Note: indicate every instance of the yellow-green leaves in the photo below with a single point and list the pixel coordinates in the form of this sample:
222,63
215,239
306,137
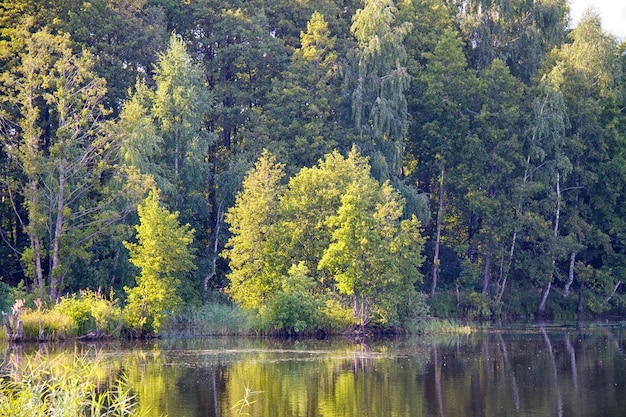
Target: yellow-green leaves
164,255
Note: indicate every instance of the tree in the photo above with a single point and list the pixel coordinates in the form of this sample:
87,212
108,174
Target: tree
303,104
55,129
179,104
586,72
517,32
252,223
165,257
448,90
163,133
241,57
374,257
379,76
286,244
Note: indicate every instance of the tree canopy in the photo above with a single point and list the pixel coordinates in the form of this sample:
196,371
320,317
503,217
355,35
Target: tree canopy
324,153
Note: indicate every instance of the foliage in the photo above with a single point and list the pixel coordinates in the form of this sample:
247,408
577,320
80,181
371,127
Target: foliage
346,233
92,312
164,256
293,307
495,115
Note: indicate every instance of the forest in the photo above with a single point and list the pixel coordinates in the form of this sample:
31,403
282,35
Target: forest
319,163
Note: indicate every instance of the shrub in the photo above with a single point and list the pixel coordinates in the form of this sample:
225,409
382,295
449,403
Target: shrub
92,312
476,306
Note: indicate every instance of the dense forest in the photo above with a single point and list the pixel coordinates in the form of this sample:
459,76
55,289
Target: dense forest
314,160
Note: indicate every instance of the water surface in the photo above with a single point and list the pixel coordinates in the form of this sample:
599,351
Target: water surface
527,371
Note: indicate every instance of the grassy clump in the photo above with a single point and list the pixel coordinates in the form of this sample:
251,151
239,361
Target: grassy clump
49,325
62,386
438,326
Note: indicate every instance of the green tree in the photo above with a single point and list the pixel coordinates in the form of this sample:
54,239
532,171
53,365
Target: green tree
165,257
518,32
379,75
448,89
71,188
163,134
278,228
241,57
374,257
313,195
586,72
252,222
179,104
303,104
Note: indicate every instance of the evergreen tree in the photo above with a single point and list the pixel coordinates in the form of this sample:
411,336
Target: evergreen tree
252,224
303,104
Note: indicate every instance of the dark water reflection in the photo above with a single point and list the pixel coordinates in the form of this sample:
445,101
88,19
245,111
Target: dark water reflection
536,371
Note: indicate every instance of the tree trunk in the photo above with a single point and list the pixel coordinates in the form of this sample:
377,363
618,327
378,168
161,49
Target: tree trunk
218,221
487,273
438,238
541,309
570,280
505,276
58,231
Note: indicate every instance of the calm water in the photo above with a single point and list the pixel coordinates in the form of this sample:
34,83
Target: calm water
533,371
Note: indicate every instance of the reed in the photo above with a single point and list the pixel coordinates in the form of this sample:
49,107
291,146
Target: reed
60,386
439,326
210,319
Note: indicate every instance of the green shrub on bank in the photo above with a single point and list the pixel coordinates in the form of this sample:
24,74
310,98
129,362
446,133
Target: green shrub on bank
63,386
92,312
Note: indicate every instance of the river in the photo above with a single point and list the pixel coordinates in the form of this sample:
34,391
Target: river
549,370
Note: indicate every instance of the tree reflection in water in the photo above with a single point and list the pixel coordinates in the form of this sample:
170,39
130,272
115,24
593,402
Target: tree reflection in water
543,370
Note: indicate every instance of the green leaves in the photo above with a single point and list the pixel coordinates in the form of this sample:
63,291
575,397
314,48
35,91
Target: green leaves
332,233
163,254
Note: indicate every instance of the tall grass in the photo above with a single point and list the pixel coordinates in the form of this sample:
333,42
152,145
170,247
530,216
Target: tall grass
210,319
439,326
63,386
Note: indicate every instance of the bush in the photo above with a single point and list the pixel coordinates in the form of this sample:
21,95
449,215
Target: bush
476,306
92,312
292,309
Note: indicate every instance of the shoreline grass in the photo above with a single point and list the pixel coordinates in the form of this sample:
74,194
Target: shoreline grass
59,386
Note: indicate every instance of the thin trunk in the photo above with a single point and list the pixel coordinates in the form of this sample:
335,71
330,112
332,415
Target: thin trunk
617,285
541,309
438,238
570,280
505,276
218,223
487,272
38,268
33,145
58,231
